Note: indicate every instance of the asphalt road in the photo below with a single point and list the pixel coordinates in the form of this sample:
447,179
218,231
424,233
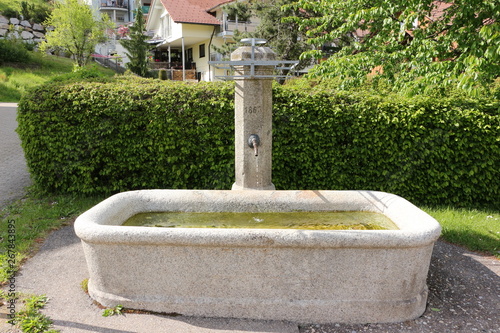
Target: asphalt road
14,176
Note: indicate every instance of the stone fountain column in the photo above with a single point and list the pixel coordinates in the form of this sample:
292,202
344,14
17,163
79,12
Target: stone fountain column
253,119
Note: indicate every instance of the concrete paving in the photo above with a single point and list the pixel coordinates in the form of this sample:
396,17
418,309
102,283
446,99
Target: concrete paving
14,177
58,270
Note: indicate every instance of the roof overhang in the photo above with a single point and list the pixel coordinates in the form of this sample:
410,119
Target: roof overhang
177,42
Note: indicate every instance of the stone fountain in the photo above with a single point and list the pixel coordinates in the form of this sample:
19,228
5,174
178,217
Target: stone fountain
311,276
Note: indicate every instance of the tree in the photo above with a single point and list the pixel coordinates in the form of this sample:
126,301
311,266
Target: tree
37,12
284,38
414,44
76,30
137,46
237,11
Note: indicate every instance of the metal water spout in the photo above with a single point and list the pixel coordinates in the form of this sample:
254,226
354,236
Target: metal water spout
254,142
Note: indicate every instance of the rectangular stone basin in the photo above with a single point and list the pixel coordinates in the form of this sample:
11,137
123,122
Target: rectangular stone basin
308,276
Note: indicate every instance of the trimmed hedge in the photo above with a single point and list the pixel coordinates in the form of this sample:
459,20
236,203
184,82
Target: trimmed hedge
102,137
130,133
430,151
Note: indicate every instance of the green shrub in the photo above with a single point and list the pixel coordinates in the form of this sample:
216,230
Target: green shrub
431,151
12,50
79,73
9,12
162,74
101,137
35,12
131,133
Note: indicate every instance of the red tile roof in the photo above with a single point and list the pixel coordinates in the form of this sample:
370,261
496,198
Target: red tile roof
193,11
439,7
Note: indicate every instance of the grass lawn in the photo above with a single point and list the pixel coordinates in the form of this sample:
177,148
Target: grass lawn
31,219
16,78
16,4
478,230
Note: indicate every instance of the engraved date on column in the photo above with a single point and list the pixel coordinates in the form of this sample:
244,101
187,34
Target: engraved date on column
252,109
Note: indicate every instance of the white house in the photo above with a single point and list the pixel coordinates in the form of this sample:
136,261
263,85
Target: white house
185,31
121,12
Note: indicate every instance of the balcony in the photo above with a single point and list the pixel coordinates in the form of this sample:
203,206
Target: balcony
175,71
113,4
228,26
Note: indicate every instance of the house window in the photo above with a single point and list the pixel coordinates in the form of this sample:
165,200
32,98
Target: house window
202,50
166,25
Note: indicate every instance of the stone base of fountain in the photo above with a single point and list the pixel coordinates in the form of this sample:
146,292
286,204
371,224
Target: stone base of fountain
237,187
354,276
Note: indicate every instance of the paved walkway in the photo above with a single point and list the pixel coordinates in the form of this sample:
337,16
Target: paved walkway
14,175
58,270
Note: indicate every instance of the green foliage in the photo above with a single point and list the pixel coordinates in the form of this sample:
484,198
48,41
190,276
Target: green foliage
92,71
76,30
227,48
32,10
417,44
237,11
30,319
35,12
26,8
129,134
478,230
9,12
13,50
85,285
91,137
33,219
428,150
137,47
16,78
162,74
117,310
284,37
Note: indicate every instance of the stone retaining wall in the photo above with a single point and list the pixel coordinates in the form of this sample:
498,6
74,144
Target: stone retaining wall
22,29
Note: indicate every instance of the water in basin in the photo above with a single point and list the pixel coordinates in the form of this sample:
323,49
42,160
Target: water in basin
273,220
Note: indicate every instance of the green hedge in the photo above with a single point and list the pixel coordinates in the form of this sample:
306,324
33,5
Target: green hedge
430,151
101,137
128,133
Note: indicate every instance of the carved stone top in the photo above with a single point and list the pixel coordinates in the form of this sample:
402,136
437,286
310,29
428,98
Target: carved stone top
260,53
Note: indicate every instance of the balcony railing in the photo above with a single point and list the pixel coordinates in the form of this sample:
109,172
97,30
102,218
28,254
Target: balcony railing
176,74
228,26
114,4
172,65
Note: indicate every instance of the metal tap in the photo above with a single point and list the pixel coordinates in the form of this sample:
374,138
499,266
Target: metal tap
254,142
